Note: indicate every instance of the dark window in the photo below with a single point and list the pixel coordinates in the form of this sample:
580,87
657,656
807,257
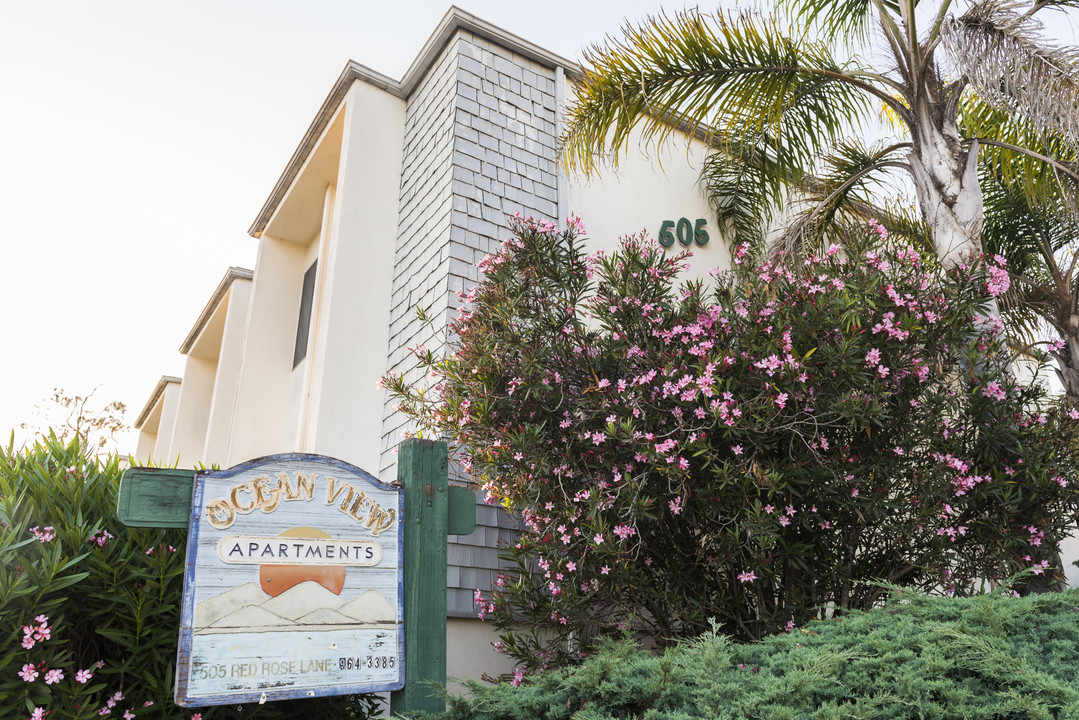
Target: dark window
303,327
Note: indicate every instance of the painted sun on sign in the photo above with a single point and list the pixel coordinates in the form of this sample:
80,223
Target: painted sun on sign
293,584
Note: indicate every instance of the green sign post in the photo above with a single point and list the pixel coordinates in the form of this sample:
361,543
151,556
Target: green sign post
155,497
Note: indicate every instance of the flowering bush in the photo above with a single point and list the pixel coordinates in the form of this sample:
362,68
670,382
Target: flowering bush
90,609
758,450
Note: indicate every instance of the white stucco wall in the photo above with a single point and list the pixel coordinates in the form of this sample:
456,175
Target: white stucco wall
193,411
144,451
170,399
295,418
344,407
226,382
259,425
469,653
649,185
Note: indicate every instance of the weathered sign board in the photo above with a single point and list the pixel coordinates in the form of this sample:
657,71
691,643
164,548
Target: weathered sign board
293,586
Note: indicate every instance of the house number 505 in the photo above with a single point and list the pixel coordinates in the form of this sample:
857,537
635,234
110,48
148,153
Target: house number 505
685,231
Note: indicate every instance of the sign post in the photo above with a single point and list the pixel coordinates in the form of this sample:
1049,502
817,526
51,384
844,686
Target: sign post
422,469
238,518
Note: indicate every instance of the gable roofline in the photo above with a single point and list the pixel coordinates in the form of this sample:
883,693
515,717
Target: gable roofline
454,20
231,275
159,390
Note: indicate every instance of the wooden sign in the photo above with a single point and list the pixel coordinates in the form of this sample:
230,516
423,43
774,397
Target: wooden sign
293,583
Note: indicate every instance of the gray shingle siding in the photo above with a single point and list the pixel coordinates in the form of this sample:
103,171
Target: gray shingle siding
479,146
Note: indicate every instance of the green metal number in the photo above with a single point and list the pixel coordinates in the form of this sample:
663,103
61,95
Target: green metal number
686,231
666,238
684,228
699,233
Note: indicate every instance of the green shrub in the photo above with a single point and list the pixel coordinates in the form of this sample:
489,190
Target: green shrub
84,595
986,656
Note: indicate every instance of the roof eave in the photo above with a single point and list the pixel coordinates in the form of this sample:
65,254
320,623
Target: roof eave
455,19
159,390
233,274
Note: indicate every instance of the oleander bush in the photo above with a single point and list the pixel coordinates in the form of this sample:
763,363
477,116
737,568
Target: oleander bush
758,448
89,608
986,656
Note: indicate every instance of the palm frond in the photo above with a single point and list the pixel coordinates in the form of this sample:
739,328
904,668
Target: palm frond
847,192
1040,247
746,183
699,74
839,19
1002,52
1043,183
1055,4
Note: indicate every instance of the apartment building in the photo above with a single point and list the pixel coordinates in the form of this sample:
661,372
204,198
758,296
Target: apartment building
395,191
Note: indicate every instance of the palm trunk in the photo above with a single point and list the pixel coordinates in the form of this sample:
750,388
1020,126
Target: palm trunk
1068,362
946,182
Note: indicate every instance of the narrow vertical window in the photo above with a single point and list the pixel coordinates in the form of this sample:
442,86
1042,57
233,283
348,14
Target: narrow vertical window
303,327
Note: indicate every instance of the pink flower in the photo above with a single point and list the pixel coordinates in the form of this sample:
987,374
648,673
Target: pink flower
128,715
769,509
54,676
998,282
518,676
38,714
784,520
994,390
28,673
604,570
43,536
872,357
745,577
737,449
83,676
599,538
676,506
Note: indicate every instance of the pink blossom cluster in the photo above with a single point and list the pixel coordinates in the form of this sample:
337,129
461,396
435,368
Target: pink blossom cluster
48,534
484,606
100,539
163,548
999,281
33,634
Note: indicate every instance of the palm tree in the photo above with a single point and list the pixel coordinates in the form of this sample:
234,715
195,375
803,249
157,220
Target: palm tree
981,88
775,105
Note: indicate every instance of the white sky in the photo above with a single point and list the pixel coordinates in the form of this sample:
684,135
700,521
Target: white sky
138,141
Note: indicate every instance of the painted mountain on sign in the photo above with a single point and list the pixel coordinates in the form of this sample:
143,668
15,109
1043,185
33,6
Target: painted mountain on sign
248,608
